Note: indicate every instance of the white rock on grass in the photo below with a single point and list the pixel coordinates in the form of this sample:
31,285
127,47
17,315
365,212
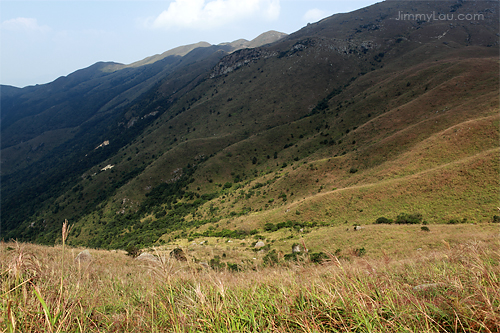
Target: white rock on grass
83,256
259,244
147,257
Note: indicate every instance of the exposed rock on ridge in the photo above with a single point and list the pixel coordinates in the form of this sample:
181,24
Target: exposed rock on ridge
240,58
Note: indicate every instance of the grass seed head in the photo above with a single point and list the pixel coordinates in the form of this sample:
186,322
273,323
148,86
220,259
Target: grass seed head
65,230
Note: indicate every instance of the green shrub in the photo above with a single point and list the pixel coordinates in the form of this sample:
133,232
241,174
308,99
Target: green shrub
271,258
216,264
270,227
404,218
133,251
383,220
424,228
160,214
360,252
318,257
496,219
233,267
290,256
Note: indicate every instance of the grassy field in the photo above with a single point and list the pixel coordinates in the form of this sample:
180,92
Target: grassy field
405,280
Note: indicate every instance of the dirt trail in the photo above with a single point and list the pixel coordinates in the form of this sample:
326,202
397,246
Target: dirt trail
394,180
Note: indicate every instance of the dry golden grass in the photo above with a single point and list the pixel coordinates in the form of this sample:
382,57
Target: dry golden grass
451,285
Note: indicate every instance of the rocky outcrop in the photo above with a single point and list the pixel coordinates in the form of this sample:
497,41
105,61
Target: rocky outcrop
240,58
345,47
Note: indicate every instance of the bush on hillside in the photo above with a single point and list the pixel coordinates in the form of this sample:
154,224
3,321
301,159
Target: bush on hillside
271,258
456,221
317,257
133,251
360,252
383,220
270,227
216,264
290,256
233,267
404,218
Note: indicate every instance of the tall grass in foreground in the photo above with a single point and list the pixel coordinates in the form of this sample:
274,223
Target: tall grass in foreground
453,290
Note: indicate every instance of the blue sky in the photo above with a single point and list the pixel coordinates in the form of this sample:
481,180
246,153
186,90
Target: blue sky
43,40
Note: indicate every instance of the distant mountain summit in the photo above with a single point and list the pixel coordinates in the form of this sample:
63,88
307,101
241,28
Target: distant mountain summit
263,39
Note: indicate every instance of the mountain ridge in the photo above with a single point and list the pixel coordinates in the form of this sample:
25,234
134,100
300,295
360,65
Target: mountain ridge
181,51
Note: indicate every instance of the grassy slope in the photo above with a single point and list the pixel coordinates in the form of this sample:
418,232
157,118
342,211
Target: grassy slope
429,150
415,133
411,158
408,280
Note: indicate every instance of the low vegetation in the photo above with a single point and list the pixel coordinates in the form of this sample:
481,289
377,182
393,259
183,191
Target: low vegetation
450,285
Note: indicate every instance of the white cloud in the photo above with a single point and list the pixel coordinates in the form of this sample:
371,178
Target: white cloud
314,15
24,24
204,14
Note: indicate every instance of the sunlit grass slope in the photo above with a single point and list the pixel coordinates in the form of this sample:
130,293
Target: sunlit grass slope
406,280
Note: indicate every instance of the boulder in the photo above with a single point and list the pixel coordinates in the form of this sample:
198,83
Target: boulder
83,256
147,257
259,244
178,254
296,248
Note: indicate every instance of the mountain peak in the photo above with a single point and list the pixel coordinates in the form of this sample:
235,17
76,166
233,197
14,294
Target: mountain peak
264,38
177,51
267,38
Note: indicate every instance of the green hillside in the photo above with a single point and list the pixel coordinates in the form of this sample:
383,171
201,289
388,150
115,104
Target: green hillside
356,117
